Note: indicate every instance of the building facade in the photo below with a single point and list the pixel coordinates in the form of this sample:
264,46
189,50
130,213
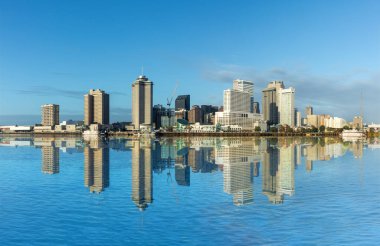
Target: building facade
142,102
270,102
195,114
50,114
182,102
237,110
286,112
96,108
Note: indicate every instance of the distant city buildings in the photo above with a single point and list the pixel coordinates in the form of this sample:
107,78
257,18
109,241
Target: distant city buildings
195,114
142,103
96,108
309,110
270,102
50,114
278,104
237,109
182,102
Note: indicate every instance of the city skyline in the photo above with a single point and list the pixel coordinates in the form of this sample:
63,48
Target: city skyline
330,58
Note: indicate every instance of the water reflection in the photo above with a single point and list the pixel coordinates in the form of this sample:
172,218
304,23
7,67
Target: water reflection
96,164
142,179
241,161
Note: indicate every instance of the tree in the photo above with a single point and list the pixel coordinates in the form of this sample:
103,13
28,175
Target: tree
346,127
322,128
218,127
257,129
273,129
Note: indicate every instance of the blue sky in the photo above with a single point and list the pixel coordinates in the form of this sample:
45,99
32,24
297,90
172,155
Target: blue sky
55,51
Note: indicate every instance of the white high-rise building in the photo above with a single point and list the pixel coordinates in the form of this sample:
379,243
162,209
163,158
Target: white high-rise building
142,102
237,103
286,107
246,86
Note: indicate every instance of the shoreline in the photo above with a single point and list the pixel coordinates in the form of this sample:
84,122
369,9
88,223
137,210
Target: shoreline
187,134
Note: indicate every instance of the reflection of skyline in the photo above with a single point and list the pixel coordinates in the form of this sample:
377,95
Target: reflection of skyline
96,165
142,179
50,159
240,159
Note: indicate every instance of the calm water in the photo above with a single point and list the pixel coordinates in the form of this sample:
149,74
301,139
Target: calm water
197,191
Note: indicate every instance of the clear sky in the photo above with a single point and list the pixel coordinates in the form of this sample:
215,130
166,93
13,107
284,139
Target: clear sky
55,51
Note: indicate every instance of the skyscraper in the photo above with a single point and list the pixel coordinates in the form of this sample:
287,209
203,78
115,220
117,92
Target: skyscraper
50,114
256,108
142,102
287,114
270,102
246,86
182,102
309,110
96,107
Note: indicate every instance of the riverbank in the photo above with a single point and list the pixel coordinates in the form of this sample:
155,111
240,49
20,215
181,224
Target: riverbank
246,134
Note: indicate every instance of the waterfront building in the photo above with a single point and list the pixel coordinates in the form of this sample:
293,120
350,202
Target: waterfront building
298,119
309,110
357,123
158,112
312,120
246,86
334,122
142,102
142,176
96,108
96,165
50,114
270,102
195,114
287,114
237,111
182,102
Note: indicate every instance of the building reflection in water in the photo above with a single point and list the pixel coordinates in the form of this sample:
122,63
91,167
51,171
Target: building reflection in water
50,157
142,179
236,157
182,169
240,159
96,164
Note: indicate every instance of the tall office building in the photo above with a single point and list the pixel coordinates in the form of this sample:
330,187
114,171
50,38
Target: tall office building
271,102
286,111
142,102
50,159
298,118
96,165
142,179
96,107
246,86
182,102
256,108
237,108
309,110
50,114
195,114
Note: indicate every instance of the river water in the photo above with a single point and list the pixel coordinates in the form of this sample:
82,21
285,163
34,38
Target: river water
189,191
